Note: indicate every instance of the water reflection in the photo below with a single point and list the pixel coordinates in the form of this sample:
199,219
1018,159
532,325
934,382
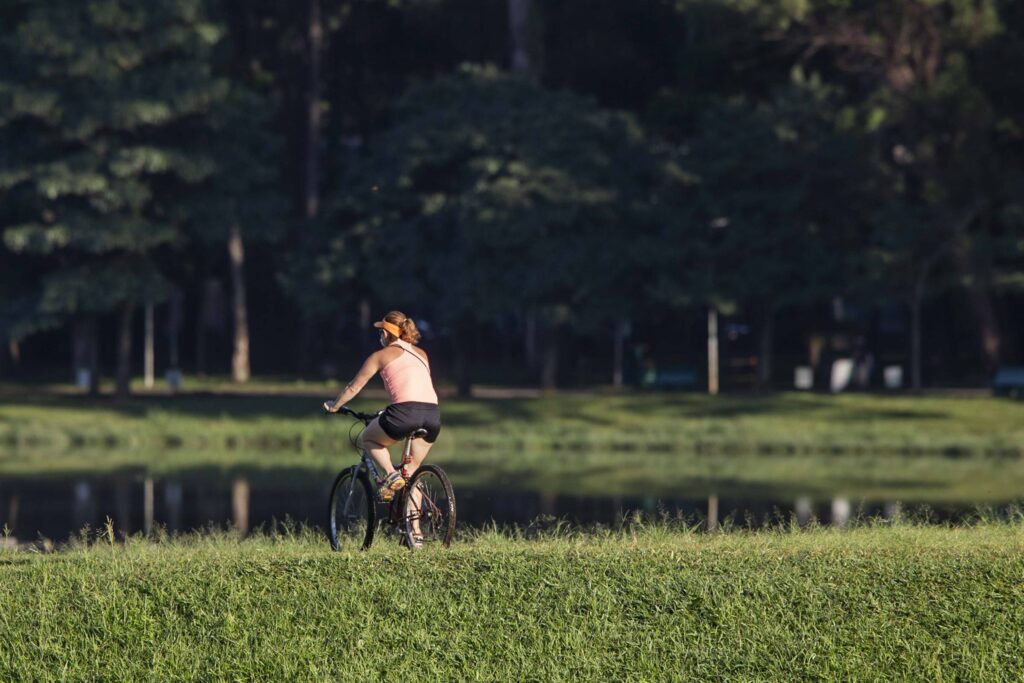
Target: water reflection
55,507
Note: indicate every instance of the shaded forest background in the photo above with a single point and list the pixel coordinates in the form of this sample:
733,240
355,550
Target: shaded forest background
562,192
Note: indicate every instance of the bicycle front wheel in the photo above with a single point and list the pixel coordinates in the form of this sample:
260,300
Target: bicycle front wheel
351,514
429,508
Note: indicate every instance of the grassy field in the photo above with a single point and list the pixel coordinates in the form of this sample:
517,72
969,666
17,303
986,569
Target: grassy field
284,419
656,604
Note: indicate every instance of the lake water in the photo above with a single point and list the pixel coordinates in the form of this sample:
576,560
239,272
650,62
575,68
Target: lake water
55,505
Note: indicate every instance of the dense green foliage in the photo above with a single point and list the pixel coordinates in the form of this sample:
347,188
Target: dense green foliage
99,108
639,163
644,604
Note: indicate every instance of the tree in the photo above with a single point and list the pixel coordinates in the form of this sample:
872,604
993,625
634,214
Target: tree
99,104
994,68
778,183
241,201
489,194
930,127
907,244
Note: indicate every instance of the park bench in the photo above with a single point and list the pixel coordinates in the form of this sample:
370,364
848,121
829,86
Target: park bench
1009,381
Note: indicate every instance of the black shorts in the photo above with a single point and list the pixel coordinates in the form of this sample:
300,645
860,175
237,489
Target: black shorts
398,419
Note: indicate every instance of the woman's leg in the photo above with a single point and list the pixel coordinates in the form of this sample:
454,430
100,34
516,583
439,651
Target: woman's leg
376,440
420,448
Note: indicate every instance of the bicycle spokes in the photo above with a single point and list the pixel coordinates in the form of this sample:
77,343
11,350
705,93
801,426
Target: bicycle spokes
429,509
350,513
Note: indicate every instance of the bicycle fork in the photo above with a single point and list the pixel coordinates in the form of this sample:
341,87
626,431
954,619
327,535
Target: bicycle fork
370,466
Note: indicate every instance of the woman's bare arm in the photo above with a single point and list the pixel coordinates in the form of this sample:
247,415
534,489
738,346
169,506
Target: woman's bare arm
369,369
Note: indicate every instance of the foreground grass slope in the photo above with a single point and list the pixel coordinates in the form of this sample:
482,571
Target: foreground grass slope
902,603
785,423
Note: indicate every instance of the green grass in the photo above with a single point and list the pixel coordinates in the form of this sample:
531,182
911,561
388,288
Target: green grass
779,423
654,604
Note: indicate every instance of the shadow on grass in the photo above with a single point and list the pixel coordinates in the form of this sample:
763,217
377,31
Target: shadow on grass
868,415
597,410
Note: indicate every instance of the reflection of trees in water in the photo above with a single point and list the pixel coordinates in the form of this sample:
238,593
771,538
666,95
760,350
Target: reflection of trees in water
147,506
172,504
84,512
240,505
587,488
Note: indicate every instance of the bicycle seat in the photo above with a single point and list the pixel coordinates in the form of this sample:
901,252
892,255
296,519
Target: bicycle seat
418,434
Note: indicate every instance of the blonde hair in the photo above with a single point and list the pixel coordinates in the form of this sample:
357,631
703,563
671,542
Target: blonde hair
406,324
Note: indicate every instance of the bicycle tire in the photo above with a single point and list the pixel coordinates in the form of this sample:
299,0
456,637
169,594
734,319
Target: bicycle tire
339,530
438,514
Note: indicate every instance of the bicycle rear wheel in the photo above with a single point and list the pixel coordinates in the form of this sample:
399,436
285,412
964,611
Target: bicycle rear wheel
429,505
351,513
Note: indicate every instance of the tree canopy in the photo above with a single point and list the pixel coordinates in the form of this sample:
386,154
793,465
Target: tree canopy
554,178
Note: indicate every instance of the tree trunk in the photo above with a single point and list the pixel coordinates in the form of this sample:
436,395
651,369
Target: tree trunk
530,339
201,318
124,350
518,18
84,351
463,381
149,359
621,332
549,361
307,332
980,307
79,348
93,356
524,24
14,349
764,366
240,370
366,338
988,328
174,329
314,48
712,351
916,303
311,160
6,359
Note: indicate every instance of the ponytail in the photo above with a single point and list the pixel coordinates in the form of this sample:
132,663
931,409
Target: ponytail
409,331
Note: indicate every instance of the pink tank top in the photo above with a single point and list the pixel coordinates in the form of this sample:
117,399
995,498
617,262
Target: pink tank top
407,378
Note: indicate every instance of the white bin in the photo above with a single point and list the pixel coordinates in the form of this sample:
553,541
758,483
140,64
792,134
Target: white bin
893,375
842,373
803,377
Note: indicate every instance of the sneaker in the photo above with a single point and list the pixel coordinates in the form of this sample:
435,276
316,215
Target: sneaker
392,483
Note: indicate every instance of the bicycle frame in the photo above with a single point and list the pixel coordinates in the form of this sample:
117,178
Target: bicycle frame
369,465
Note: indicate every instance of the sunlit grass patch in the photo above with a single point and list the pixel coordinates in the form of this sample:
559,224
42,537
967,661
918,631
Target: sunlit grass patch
643,602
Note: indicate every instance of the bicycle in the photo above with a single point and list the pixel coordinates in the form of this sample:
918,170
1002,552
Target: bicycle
421,513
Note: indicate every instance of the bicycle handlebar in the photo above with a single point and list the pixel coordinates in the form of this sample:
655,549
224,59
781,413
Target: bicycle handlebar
364,417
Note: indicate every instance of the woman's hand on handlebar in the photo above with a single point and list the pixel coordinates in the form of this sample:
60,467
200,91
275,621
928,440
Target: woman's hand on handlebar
332,406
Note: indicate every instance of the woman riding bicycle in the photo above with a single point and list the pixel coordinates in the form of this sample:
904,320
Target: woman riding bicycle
405,369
